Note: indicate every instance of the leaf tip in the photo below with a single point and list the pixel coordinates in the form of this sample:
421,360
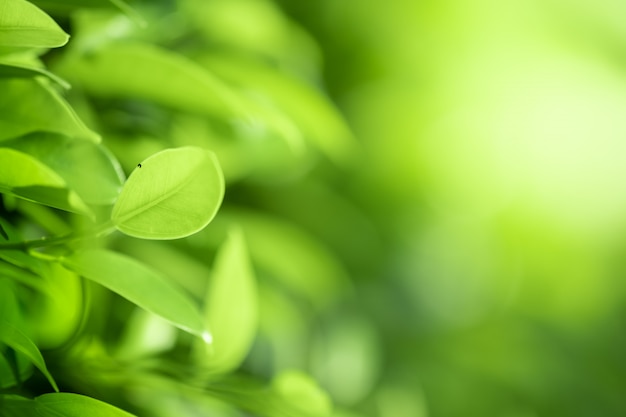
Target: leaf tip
207,337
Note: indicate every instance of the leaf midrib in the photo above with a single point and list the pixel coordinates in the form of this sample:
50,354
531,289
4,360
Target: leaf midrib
150,205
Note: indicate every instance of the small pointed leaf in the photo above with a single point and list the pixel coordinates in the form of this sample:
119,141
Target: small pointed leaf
23,176
88,168
231,304
140,285
173,194
18,341
45,110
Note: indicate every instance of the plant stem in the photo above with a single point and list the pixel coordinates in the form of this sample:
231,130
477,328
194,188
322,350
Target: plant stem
98,231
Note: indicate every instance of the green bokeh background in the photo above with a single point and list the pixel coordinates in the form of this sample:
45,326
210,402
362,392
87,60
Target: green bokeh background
494,136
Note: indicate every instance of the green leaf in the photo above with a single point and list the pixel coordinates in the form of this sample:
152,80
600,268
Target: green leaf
306,107
302,393
55,312
69,6
75,405
288,254
44,110
27,67
16,406
12,373
18,341
88,168
144,71
22,24
3,233
231,304
60,404
24,176
139,284
173,194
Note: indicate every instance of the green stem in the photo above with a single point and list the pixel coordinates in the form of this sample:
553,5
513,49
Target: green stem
98,231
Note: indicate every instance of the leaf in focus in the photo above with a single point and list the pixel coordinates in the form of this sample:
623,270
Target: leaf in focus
175,193
88,168
24,176
23,24
18,341
75,405
140,285
45,110
57,405
144,71
231,304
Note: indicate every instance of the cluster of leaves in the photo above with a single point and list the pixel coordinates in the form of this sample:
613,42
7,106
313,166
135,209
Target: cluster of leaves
169,102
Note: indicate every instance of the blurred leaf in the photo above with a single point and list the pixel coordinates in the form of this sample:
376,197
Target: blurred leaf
254,153
55,312
231,304
24,176
307,108
284,328
20,275
57,405
255,28
18,341
302,393
346,358
139,284
3,233
11,374
172,194
25,68
44,110
190,272
15,406
88,168
9,307
21,259
287,254
145,334
24,25
144,71
68,6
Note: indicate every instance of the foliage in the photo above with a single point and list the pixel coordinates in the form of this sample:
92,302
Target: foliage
128,134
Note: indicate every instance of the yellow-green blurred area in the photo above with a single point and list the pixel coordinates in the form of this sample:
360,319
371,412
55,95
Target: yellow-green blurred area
495,141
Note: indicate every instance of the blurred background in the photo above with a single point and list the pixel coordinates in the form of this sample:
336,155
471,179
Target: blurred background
493,171
435,206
